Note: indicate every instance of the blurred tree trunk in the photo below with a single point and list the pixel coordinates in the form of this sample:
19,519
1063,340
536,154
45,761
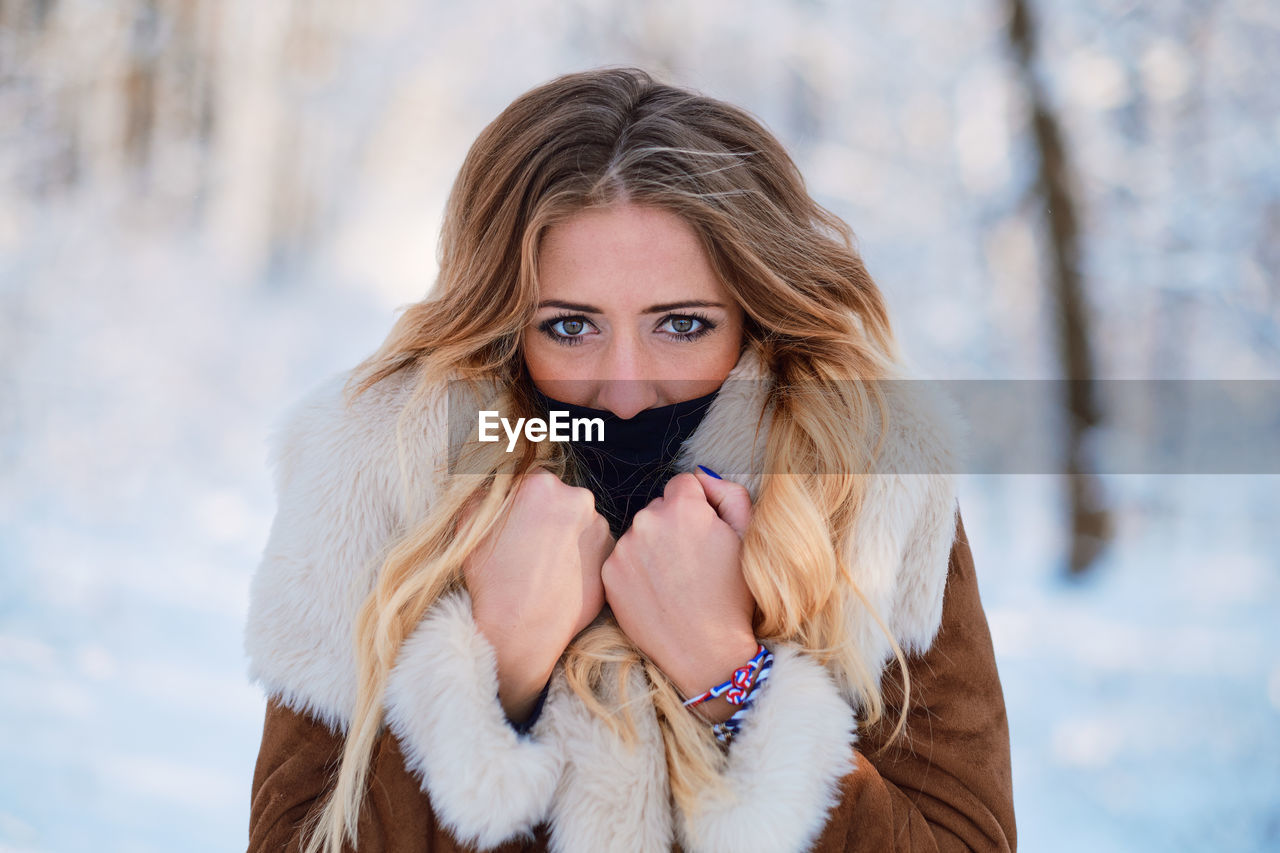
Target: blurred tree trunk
140,85
1090,522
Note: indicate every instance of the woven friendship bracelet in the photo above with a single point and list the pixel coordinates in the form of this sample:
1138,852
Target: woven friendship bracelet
734,690
725,731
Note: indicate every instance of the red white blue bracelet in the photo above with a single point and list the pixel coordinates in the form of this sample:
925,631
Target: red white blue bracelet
725,731
739,685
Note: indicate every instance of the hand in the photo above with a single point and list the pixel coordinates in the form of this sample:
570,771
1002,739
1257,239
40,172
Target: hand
674,581
535,582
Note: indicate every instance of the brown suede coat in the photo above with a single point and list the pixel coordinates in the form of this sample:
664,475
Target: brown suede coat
945,786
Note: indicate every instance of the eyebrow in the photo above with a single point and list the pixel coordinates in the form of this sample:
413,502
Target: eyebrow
652,309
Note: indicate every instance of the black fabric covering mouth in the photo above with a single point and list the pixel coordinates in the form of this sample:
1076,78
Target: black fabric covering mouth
633,463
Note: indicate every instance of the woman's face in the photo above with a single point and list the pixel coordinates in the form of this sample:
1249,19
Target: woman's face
630,314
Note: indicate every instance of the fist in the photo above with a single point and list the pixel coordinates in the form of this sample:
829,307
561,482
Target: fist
674,581
538,571
535,580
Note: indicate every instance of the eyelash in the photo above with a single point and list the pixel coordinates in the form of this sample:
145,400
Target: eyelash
575,340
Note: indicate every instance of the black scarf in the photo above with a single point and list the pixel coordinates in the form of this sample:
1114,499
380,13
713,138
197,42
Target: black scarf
633,463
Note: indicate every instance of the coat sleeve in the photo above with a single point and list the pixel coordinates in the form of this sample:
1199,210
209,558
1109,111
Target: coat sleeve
446,755
946,785
803,777
295,771
339,509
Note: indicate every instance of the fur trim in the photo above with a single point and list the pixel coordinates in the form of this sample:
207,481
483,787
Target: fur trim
612,797
336,486
442,705
731,438
926,449
784,767
344,485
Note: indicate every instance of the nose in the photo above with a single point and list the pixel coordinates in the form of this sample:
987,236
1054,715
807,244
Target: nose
627,385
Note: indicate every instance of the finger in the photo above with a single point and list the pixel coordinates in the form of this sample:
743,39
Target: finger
597,540
681,485
653,505
730,500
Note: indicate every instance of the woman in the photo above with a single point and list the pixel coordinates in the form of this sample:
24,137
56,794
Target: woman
509,644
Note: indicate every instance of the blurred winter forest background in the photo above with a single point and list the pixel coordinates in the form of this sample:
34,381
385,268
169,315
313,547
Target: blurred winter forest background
209,205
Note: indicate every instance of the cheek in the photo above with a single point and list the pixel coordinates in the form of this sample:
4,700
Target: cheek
705,367
543,358
709,364
727,351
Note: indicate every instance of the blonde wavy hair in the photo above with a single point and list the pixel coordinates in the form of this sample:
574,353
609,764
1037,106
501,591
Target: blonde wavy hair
812,313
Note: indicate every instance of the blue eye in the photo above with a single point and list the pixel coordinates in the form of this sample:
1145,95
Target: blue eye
687,327
566,329
570,328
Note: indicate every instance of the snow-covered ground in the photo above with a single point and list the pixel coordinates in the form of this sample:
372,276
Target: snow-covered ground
145,351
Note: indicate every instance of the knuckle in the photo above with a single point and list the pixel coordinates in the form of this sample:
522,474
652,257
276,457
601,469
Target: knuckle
585,498
547,485
600,526
578,505
683,485
645,520
539,483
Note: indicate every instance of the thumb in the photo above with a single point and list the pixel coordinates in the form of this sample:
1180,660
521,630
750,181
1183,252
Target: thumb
731,500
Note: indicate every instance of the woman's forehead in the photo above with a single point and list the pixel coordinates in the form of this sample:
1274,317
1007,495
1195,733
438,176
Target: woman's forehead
633,256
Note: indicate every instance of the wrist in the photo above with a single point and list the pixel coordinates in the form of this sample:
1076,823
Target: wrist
527,646
699,674
519,686
524,666
728,701
715,710
727,729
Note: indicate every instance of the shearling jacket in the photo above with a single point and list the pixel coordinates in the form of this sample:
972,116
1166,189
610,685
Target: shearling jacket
448,772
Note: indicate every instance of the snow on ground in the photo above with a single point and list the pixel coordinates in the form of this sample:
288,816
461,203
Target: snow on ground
134,502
